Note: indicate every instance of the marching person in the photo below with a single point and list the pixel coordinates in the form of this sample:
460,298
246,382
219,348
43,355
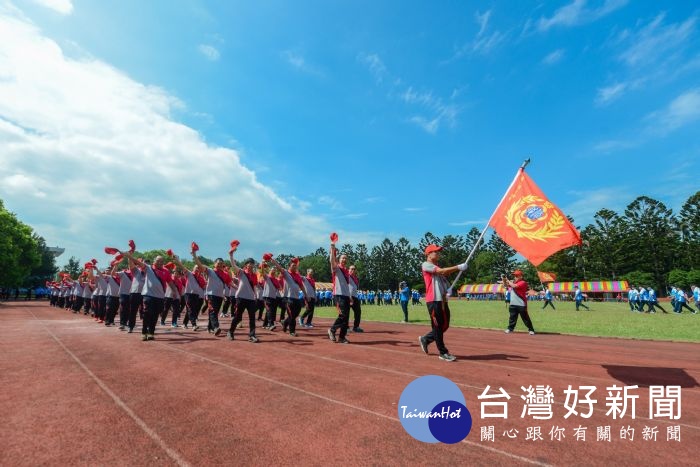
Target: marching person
157,280
194,293
341,293
578,298
682,301
518,302
654,302
293,285
404,293
548,299
217,278
436,287
270,295
354,284
309,299
124,277
245,296
138,278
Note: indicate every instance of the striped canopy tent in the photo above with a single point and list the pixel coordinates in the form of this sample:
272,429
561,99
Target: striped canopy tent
481,288
589,286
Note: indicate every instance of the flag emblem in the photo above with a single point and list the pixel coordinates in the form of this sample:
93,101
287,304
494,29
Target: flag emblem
535,219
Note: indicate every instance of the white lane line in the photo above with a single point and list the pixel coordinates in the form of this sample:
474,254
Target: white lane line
120,403
344,404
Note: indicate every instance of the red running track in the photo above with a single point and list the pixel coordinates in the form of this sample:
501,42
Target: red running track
75,392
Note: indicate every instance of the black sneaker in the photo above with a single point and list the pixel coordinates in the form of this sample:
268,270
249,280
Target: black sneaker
253,339
357,330
344,341
229,335
423,344
272,328
217,331
151,337
144,337
331,335
447,357
131,330
293,334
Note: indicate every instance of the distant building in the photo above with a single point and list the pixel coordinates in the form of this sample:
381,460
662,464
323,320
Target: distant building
57,251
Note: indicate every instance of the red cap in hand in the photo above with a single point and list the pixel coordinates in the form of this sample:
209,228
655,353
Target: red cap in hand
111,250
334,238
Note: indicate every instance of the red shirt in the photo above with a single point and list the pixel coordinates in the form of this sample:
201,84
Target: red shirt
312,281
163,275
224,276
200,280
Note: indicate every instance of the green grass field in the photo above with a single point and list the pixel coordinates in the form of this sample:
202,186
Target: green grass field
604,319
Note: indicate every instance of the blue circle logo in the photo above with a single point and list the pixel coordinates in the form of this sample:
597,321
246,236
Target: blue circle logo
432,409
534,212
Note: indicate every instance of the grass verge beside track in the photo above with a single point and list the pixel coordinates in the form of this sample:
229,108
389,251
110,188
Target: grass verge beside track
605,319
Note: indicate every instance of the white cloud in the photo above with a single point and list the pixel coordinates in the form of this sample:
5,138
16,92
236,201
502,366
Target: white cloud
414,209
464,223
299,63
587,203
356,215
109,163
682,111
656,41
373,199
610,93
577,13
484,42
440,113
652,53
64,7
554,57
331,202
210,52
375,65
432,113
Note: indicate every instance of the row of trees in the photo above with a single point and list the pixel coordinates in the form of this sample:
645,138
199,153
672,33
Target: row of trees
646,244
25,261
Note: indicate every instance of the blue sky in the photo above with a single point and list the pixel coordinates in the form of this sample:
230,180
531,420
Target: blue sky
277,122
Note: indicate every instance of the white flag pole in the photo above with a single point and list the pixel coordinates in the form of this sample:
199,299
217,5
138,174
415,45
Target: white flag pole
483,232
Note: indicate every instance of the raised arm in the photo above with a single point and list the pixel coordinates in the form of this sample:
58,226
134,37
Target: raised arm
234,265
196,260
177,261
135,261
334,257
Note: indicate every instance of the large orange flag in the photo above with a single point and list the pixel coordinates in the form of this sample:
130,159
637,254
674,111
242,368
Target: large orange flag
527,221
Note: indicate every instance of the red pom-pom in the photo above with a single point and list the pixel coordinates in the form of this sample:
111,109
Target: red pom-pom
111,251
195,247
267,256
169,252
132,246
93,261
334,238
